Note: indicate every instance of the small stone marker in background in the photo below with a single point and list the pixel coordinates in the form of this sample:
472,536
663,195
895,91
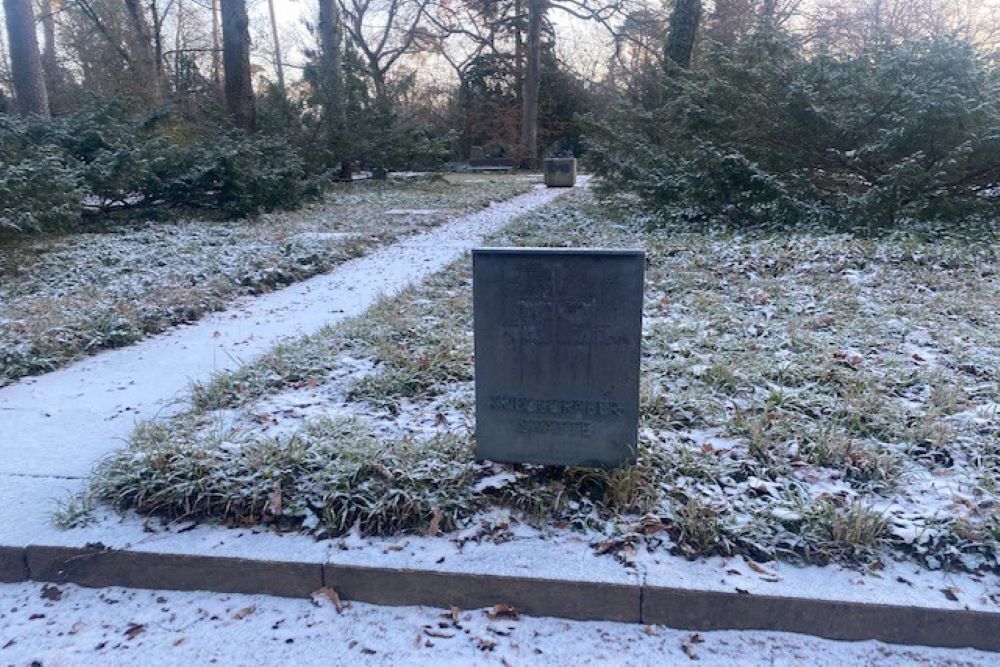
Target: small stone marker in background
559,172
558,334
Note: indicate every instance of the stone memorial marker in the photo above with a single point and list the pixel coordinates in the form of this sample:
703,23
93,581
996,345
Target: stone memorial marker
557,335
559,172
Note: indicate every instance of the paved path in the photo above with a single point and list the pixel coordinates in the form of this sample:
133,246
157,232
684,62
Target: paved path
55,427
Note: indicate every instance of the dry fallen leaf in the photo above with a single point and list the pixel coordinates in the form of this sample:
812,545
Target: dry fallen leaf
274,505
605,547
760,569
50,592
951,593
503,611
435,526
651,524
441,634
134,630
452,614
329,594
243,613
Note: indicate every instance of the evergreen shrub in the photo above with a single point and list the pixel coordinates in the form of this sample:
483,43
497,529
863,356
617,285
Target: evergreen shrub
770,132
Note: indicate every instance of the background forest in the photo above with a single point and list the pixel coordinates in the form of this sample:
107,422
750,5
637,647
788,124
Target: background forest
853,112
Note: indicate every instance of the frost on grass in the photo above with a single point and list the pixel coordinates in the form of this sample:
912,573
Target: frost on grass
808,396
66,296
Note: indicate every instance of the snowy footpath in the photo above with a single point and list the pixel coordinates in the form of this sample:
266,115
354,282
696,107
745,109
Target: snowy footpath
56,427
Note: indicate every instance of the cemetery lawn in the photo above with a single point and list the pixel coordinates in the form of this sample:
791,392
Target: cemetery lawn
808,395
66,296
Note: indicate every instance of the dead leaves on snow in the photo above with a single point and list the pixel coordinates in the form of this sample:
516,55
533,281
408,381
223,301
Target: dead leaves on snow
327,595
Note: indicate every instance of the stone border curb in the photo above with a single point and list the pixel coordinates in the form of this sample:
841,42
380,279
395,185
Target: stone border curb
580,600
830,619
137,569
13,567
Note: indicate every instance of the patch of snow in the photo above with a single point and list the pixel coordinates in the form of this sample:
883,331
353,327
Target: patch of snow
497,481
415,212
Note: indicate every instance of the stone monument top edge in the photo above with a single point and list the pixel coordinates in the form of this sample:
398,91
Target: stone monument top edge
532,250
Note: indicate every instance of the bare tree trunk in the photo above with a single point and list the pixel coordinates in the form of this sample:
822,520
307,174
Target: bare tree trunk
142,48
236,64
331,75
279,67
178,46
519,51
50,62
25,61
724,21
683,29
532,82
767,14
216,48
157,35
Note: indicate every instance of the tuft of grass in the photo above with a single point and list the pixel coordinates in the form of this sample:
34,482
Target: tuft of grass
848,531
332,477
830,447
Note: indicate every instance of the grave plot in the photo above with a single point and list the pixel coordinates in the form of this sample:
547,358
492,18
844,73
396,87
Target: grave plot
808,397
70,295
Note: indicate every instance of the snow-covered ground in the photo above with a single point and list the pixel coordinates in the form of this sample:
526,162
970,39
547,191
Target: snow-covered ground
66,625
74,294
54,428
686,322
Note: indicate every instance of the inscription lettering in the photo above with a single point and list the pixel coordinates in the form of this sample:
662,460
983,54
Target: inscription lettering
556,406
555,427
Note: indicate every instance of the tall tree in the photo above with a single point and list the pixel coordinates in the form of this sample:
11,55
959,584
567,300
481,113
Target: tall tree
532,82
683,29
331,69
50,63
384,31
279,67
25,61
331,76
144,55
236,64
216,47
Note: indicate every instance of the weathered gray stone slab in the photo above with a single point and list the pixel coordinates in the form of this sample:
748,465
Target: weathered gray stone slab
559,172
558,334
12,565
832,619
578,600
137,569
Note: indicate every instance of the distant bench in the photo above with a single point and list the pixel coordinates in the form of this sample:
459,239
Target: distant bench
492,164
